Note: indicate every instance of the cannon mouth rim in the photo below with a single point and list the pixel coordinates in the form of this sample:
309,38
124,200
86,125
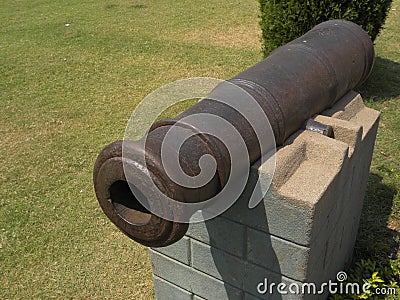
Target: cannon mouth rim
126,205
120,205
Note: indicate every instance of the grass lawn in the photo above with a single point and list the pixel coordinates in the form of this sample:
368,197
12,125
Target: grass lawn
71,73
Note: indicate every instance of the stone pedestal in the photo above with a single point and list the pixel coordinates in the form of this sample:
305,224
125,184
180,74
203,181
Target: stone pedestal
303,231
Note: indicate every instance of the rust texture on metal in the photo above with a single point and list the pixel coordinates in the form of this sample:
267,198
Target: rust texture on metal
295,82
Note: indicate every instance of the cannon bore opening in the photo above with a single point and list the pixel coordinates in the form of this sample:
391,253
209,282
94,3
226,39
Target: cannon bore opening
126,205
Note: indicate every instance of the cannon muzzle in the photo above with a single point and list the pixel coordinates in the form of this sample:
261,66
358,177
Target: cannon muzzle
295,82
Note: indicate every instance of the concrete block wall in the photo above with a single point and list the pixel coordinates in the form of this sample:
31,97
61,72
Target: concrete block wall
303,231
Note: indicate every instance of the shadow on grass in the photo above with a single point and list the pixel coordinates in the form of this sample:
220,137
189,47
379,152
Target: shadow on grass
375,239
384,81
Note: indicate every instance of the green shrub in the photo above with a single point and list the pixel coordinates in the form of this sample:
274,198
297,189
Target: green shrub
379,276
285,20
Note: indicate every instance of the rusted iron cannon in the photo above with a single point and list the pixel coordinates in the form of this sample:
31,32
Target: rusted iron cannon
296,81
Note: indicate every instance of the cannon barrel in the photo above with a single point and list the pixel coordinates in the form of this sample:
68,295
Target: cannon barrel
295,82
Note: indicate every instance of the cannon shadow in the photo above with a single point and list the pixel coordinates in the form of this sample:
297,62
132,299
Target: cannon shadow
248,274
376,239
384,81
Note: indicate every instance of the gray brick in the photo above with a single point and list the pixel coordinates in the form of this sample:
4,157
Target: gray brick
281,297
171,270
217,263
281,217
304,230
214,232
254,275
277,255
192,280
250,297
168,291
179,250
